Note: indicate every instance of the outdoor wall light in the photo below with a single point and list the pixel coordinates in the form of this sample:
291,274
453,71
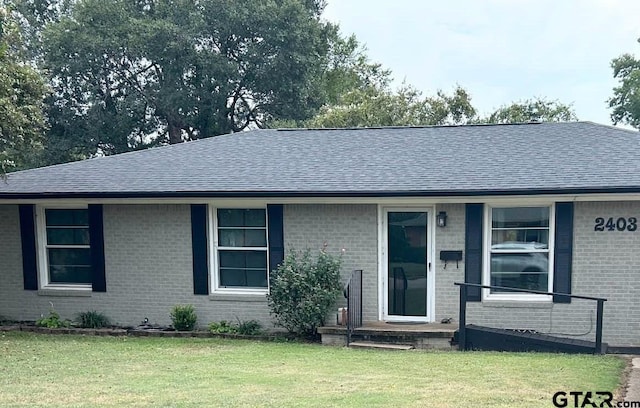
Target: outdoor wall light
441,219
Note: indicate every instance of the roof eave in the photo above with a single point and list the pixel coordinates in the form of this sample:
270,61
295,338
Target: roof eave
313,194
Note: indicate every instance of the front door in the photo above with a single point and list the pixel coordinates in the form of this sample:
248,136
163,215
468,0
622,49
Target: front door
408,264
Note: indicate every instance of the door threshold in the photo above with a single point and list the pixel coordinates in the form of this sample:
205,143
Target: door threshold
405,322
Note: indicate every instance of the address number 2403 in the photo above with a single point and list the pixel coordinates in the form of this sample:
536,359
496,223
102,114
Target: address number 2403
619,224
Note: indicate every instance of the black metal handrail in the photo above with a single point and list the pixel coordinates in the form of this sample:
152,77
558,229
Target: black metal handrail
462,336
353,293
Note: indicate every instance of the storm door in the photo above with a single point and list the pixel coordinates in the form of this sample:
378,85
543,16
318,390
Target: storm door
407,265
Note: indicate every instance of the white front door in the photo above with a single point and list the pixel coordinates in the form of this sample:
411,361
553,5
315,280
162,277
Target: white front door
406,272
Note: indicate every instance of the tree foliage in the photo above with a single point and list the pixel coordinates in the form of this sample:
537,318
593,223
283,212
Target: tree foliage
626,97
536,110
132,74
374,106
22,90
360,94
33,17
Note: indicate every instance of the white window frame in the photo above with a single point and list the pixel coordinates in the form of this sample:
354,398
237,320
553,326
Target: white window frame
486,269
214,249
43,259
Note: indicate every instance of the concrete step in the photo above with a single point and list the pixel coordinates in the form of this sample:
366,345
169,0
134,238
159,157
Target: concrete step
380,346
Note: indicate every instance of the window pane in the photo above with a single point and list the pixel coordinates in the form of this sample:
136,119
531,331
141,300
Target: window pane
255,238
66,217
255,218
243,269
243,259
520,217
257,278
250,278
527,239
69,265
69,256
232,277
70,274
242,238
520,270
531,281
242,218
231,237
520,262
256,259
230,218
67,236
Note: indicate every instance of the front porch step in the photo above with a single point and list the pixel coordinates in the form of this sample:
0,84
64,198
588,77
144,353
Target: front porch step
380,346
420,336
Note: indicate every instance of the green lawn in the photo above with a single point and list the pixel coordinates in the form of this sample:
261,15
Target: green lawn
66,370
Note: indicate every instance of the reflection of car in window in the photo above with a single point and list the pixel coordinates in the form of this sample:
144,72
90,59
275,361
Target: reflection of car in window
515,261
522,265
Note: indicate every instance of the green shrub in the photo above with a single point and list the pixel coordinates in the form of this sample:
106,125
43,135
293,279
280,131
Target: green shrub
249,327
223,327
92,320
303,290
183,317
53,320
244,327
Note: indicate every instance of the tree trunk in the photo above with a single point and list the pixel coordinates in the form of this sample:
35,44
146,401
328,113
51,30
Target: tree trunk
175,134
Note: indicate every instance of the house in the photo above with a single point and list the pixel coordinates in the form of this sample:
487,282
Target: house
540,206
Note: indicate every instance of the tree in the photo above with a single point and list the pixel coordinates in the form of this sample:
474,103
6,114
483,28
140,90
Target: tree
376,106
348,68
536,109
626,97
33,16
132,74
22,90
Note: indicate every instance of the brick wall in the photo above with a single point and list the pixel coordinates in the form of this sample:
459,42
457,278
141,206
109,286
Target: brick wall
605,264
450,238
149,269
352,227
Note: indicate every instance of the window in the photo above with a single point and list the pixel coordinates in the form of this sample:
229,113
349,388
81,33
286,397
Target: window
65,246
520,251
241,249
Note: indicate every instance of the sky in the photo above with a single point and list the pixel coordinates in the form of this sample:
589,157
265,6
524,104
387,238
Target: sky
499,50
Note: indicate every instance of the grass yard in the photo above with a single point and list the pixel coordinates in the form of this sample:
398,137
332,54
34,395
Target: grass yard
66,370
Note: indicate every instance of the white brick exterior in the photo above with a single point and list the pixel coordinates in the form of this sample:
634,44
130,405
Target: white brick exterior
605,264
148,268
148,263
353,228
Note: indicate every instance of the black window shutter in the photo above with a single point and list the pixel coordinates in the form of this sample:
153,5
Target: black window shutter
96,239
275,214
199,249
563,252
28,239
473,249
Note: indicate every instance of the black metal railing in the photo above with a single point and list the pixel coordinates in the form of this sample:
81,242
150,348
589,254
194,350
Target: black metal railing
462,335
353,293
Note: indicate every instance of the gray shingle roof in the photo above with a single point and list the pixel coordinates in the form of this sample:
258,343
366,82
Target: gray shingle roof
447,160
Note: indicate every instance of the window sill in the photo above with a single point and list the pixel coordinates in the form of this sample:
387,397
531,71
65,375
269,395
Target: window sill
238,297
65,292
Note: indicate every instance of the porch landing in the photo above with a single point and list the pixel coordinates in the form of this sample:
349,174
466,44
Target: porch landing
419,335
